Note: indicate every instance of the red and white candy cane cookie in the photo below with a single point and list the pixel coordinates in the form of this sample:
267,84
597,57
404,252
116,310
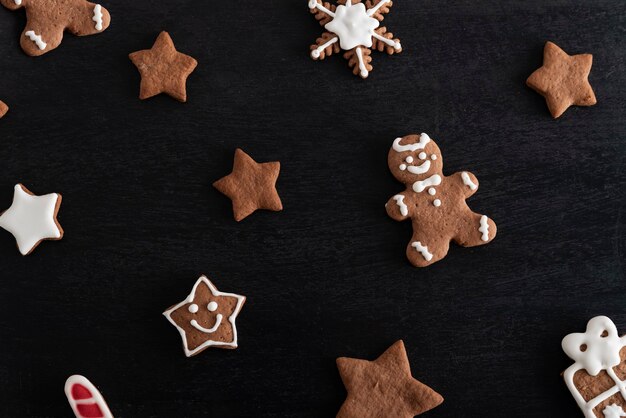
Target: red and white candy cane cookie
85,400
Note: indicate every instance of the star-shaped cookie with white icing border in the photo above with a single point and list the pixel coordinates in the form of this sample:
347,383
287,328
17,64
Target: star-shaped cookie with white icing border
206,318
32,219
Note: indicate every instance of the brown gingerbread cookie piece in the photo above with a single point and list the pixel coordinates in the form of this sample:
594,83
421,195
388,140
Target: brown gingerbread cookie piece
163,69
597,379
384,387
46,20
251,186
206,318
3,109
563,80
354,27
434,203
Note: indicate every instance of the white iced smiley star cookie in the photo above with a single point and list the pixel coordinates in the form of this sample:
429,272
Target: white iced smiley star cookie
206,318
32,219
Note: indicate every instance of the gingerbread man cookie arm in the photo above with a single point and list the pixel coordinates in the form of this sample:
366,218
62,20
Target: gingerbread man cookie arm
466,181
397,207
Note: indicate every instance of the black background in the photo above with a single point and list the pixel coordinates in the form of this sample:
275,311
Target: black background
328,276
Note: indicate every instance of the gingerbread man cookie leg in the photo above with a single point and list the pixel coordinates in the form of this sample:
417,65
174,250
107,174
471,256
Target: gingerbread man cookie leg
46,20
474,230
89,19
424,250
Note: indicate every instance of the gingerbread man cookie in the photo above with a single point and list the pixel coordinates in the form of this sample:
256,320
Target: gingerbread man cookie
46,20
434,203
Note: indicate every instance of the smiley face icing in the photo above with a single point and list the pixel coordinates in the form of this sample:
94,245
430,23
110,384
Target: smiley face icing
435,203
206,318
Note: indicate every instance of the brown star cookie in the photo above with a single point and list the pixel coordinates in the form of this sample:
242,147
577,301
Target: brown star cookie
206,318
384,387
251,186
46,20
163,69
563,80
3,109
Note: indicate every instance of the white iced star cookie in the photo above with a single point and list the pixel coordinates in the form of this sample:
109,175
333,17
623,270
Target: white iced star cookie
206,318
32,219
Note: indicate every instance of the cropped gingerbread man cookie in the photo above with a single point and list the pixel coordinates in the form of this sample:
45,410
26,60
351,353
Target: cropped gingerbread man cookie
434,203
353,26
46,20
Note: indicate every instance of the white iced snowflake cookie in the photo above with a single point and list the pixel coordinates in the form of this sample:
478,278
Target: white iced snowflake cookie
354,27
598,359
32,219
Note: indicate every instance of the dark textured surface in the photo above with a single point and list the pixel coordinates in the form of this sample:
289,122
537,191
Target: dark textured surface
326,277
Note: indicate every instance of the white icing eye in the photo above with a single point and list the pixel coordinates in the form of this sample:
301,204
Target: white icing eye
433,157
422,155
409,159
212,306
193,308
432,191
402,167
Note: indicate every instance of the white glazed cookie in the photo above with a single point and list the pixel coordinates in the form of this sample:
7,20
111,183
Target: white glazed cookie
32,219
354,27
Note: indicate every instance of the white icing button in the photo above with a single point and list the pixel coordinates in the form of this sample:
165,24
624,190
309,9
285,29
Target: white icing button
422,155
212,306
402,167
409,159
437,203
193,308
433,157
432,191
